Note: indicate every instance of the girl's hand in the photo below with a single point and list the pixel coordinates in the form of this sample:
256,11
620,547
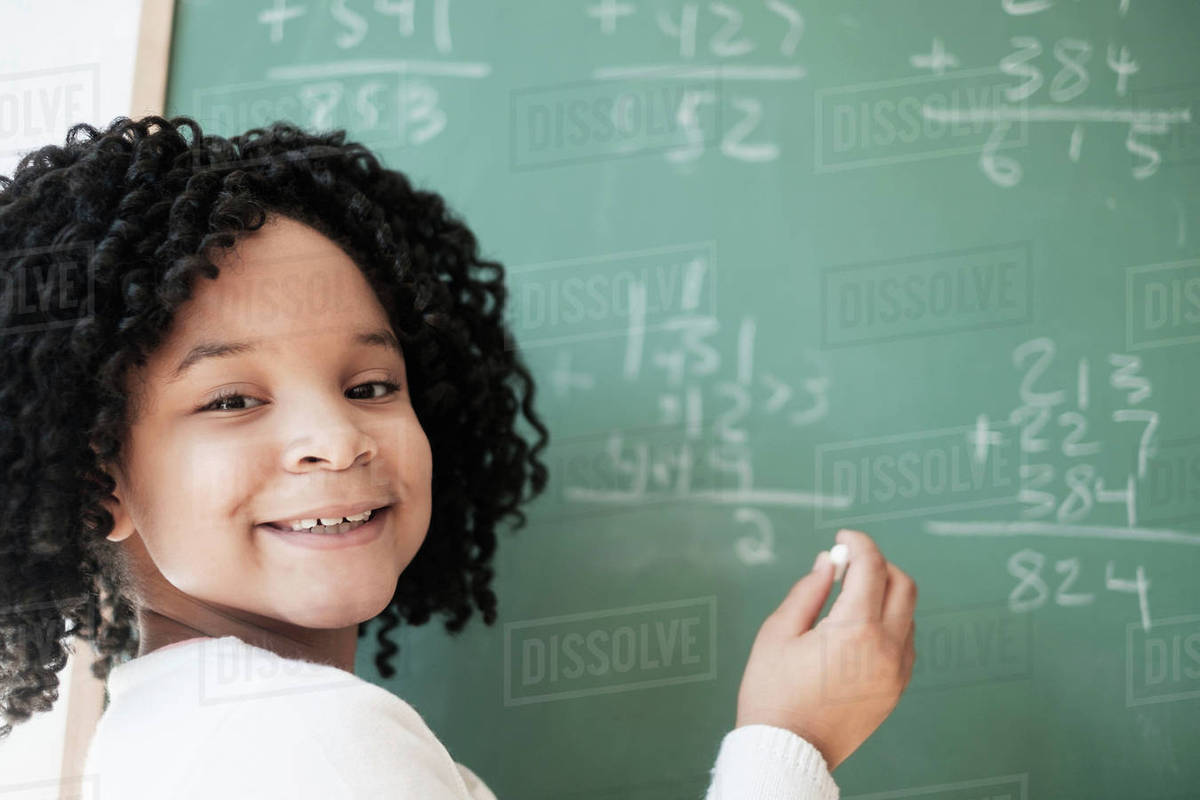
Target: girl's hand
834,684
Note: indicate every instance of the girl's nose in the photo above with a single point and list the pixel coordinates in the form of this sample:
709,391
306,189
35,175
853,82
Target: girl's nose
326,436
334,448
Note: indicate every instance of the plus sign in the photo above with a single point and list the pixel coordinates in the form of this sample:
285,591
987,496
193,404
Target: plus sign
982,436
564,380
608,12
936,60
275,17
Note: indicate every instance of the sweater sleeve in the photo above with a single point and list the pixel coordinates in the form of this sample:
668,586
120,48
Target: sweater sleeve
763,762
756,762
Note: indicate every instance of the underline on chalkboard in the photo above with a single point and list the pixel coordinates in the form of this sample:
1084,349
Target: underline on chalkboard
366,66
725,72
942,528
774,497
1058,114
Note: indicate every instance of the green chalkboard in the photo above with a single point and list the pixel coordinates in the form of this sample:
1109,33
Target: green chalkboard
928,268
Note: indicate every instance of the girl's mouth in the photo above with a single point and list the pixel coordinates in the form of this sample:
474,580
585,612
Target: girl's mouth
345,526
344,534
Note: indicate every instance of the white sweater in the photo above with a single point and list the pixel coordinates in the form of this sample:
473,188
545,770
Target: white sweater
221,718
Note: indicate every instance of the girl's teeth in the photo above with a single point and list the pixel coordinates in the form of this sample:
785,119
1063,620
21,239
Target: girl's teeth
331,524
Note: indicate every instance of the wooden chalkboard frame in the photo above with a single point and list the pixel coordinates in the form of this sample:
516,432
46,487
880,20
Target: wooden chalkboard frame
153,57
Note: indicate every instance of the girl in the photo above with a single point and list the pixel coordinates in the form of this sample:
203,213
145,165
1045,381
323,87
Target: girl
258,392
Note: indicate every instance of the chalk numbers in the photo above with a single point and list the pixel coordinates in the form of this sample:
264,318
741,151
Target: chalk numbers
734,141
404,109
1070,79
698,32
1062,482
1042,417
1063,70
728,39
417,118
1037,584
687,367
714,456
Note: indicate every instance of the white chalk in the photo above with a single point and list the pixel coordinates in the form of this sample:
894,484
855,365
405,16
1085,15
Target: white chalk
839,554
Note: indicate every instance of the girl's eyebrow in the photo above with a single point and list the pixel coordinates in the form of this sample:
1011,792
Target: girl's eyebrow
379,337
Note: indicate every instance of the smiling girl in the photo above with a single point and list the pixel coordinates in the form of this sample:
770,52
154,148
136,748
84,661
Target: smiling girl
285,407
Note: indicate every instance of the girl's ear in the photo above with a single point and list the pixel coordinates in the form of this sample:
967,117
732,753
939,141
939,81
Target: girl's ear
115,505
122,524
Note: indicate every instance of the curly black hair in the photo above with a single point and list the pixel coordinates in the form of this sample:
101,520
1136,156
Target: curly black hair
134,209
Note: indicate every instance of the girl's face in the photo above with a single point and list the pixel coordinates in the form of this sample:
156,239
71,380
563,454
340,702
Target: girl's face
312,423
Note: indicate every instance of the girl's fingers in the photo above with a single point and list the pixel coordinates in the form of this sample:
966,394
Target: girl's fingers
901,600
806,598
866,579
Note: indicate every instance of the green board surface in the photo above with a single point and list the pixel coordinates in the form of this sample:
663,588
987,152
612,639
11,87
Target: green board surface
927,269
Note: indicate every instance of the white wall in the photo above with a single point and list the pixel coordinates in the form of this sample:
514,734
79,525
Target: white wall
63,61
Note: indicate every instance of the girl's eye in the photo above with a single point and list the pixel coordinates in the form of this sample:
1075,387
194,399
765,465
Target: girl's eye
388,386
221,399
218,403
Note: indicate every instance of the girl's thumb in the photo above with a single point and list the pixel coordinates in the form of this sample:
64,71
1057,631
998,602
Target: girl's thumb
802,606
